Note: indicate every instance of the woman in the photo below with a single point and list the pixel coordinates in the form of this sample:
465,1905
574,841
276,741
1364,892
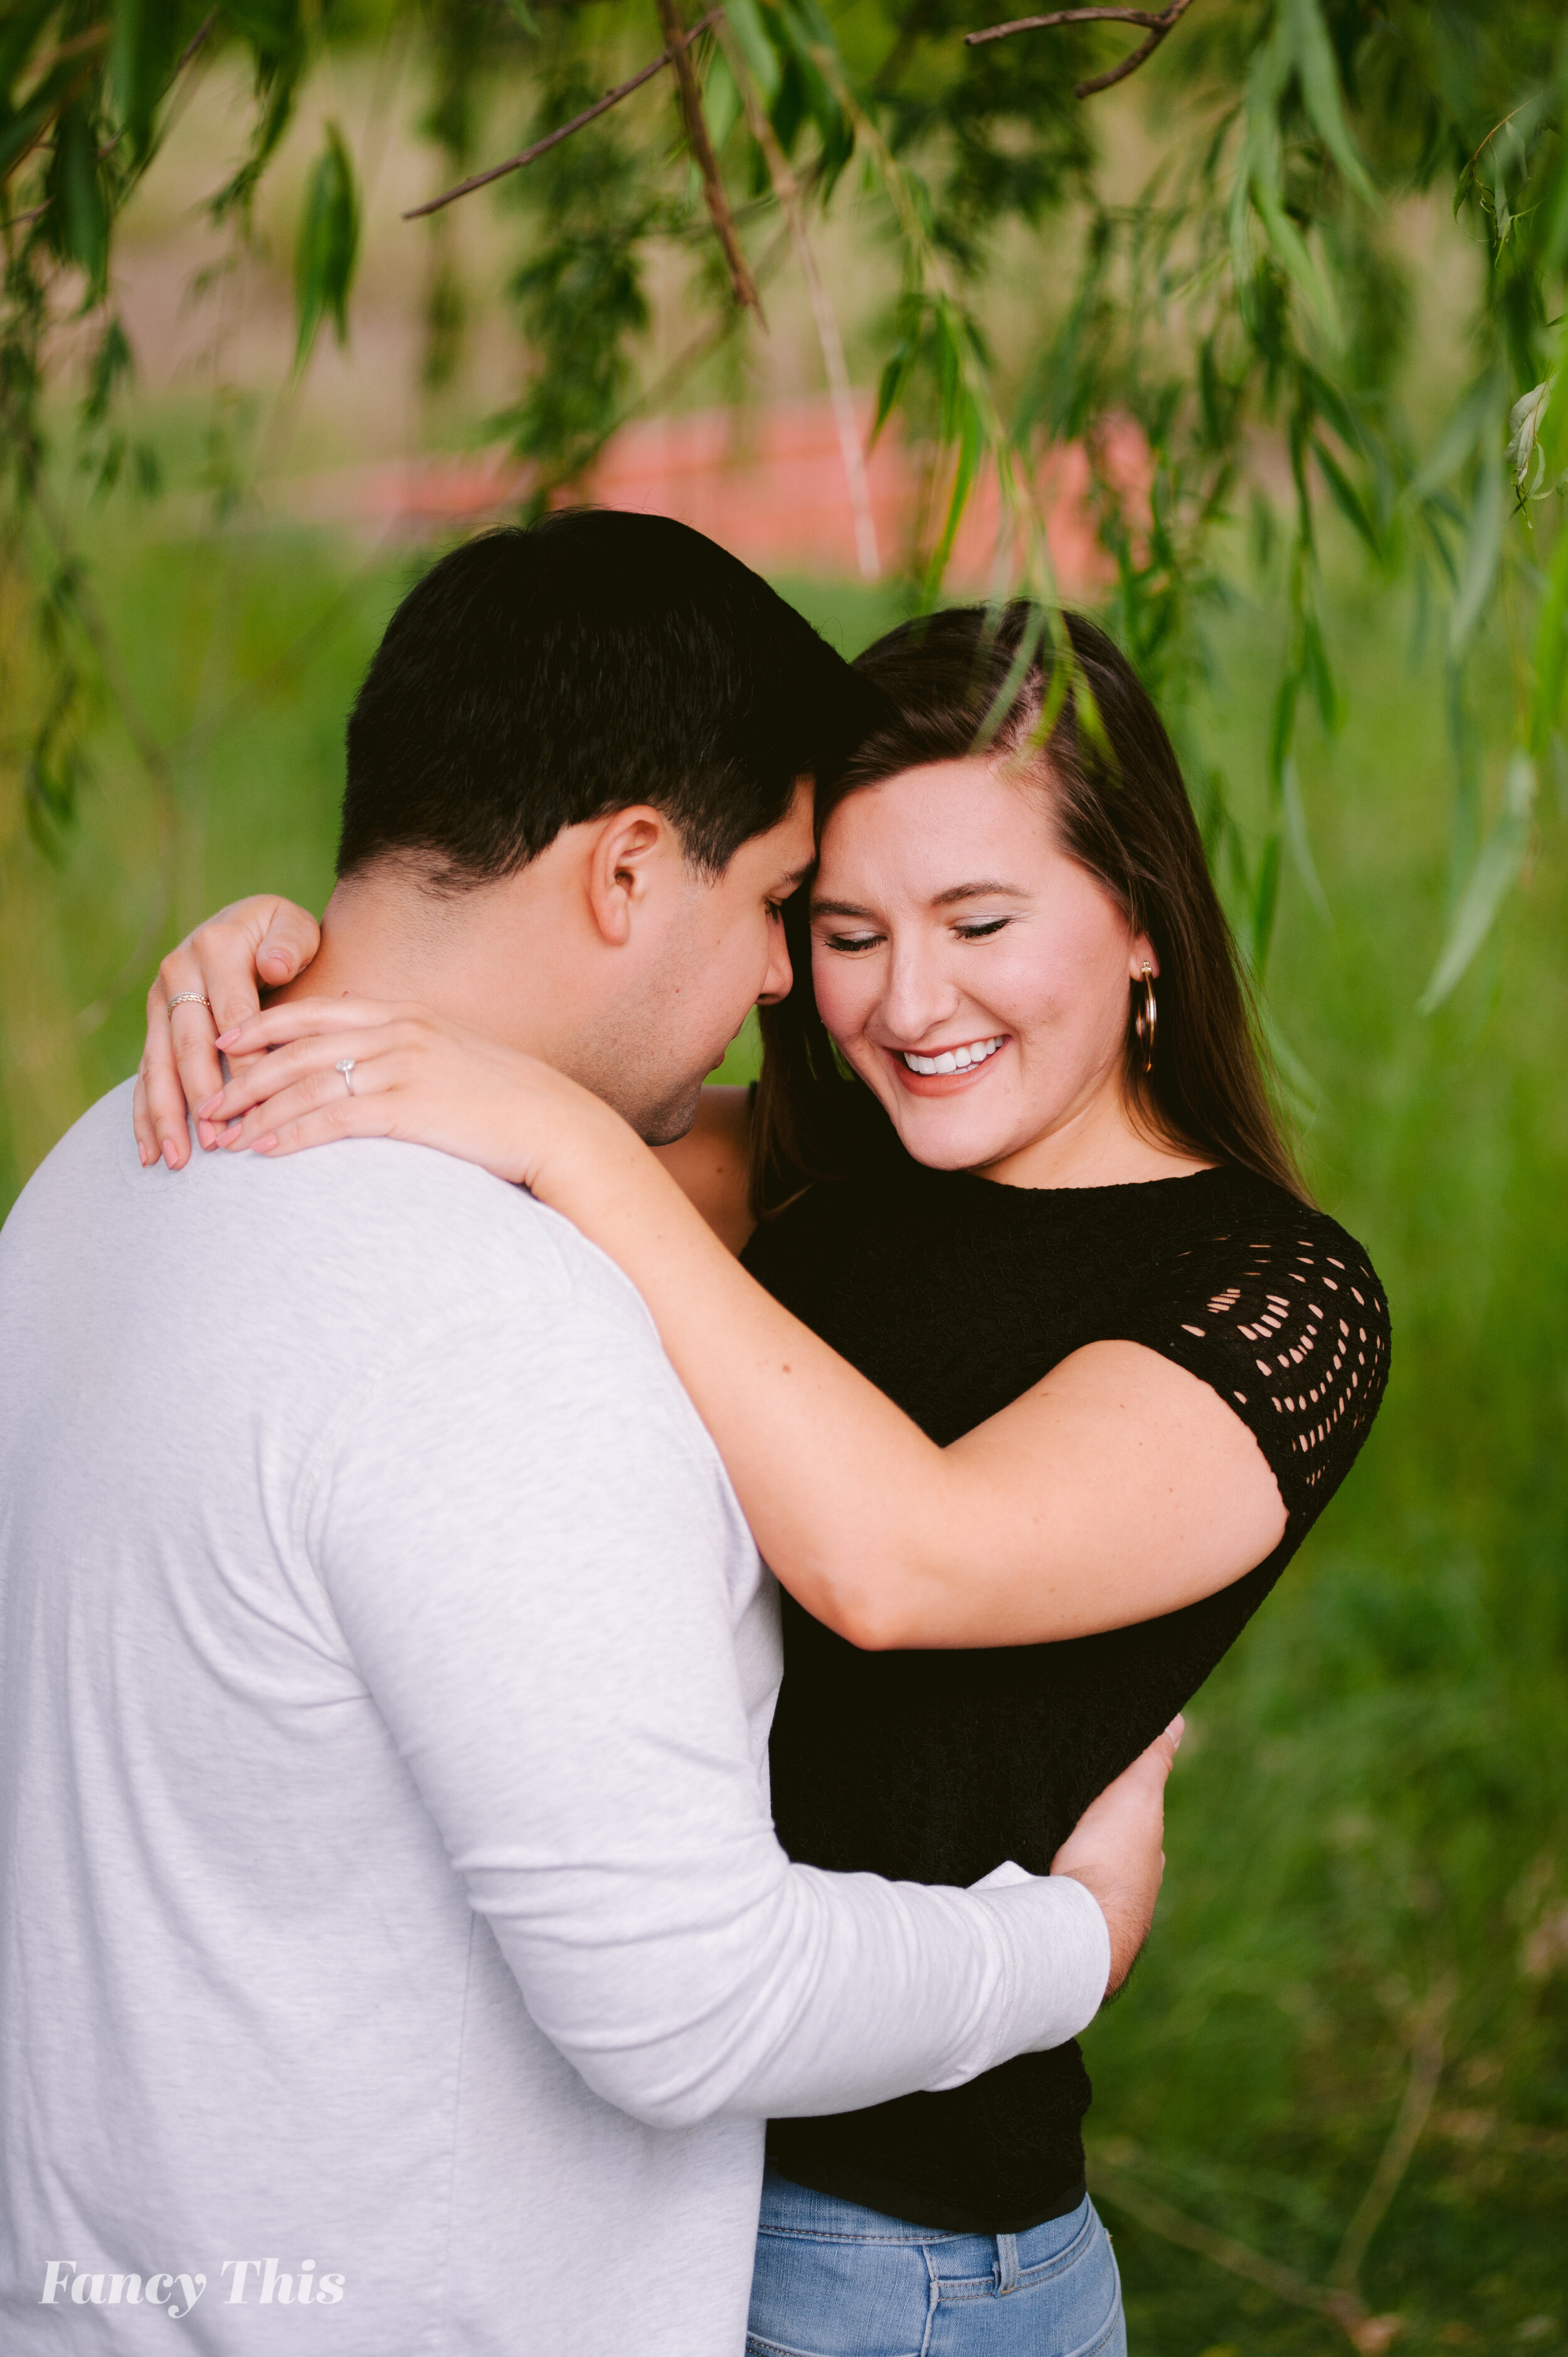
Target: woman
1036,1368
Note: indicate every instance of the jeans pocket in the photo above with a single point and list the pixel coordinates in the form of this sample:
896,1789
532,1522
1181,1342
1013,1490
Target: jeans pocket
818,2296
1072,2307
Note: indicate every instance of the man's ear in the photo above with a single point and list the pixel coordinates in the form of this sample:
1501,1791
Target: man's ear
627,855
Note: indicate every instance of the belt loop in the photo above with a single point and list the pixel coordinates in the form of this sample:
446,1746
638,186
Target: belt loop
1006,2262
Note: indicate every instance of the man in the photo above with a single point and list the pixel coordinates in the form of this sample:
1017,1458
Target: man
397,1949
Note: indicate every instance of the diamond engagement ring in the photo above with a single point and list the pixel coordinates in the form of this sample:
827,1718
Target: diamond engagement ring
346,1066
191,998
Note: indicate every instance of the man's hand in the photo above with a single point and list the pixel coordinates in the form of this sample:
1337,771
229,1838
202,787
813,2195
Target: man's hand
1116,1849
218,973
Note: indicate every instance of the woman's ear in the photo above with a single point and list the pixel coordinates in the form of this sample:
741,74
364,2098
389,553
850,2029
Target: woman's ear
626,857
1145,953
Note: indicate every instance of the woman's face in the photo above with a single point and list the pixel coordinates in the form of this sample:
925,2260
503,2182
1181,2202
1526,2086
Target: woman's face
972,972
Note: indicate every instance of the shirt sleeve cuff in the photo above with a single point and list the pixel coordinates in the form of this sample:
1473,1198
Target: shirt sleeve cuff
1058,1962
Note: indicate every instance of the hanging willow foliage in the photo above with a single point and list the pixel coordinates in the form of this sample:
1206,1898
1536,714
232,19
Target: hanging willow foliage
1251,297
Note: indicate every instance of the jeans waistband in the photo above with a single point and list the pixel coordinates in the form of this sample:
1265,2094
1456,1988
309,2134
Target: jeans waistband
788,2209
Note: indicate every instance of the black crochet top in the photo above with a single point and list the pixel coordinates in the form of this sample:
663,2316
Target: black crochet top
955,1294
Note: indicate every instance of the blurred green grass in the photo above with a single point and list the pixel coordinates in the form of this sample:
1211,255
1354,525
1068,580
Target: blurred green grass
1369,1830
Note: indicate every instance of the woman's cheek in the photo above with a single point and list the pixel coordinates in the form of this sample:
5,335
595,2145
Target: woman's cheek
844,997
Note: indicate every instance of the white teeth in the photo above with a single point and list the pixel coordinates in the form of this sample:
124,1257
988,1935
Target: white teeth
953,1059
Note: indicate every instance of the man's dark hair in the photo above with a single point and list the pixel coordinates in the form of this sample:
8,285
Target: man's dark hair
538,678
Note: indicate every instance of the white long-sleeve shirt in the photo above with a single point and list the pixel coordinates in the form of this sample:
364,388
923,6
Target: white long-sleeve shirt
388,1876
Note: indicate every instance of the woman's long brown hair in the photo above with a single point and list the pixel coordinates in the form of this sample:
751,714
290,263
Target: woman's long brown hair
976,682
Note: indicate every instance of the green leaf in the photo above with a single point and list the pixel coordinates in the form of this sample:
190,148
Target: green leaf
1346,497
1318,672
1295,257
1282,729
1550,688
971,442
1470,422
1526,458
79,219
328,247
17,134
1482,551
1492,878
762,60
1265,900
1312,54
1300,843
142,56
23,21
272,27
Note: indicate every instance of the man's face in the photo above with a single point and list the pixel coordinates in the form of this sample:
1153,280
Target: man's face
722,954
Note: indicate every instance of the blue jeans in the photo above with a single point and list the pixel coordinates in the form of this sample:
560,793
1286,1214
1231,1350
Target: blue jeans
834,2280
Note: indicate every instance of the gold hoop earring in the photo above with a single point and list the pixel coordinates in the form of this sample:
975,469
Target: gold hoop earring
1145,1023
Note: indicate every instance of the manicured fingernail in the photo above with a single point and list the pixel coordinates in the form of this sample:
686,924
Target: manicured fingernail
263,1145
202,1111
169,1152
142,1152
226,1039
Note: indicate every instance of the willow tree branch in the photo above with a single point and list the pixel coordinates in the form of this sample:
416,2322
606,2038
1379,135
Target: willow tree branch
93,39
674,379
1224,2249
787,188
1341,2298
198,40
714,194
67,99
150,751
553,138
1425,2070
1158,26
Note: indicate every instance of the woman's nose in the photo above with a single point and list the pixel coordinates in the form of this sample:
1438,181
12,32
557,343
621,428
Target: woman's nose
918,995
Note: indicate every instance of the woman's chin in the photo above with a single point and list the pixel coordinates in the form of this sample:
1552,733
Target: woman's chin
951,1134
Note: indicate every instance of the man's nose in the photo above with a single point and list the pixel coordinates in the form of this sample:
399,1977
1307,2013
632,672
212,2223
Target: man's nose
780,975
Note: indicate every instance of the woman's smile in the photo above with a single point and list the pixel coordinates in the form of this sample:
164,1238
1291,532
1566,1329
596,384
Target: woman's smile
942,1072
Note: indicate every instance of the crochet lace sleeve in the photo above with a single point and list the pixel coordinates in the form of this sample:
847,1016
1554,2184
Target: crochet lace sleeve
1283,1314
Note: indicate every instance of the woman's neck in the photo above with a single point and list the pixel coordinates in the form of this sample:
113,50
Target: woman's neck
1099,1144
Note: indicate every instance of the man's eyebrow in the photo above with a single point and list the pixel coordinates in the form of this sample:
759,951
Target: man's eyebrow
837,909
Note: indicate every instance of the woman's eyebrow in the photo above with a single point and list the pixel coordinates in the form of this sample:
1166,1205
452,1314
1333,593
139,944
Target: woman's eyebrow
982,892
985,890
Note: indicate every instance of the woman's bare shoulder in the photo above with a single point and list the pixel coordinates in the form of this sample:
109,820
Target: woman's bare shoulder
711,1163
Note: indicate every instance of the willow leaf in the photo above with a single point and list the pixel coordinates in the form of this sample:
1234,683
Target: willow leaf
327,248
1492,879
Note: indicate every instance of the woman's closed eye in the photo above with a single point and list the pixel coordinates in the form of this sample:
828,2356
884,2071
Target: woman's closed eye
980,928
850,942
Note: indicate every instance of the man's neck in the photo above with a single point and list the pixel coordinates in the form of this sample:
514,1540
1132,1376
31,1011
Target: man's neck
384,937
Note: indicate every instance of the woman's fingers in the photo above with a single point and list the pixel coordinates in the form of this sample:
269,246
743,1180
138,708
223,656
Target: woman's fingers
206,986
303,1018
311,1111
266,1078
157,1107
290,942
